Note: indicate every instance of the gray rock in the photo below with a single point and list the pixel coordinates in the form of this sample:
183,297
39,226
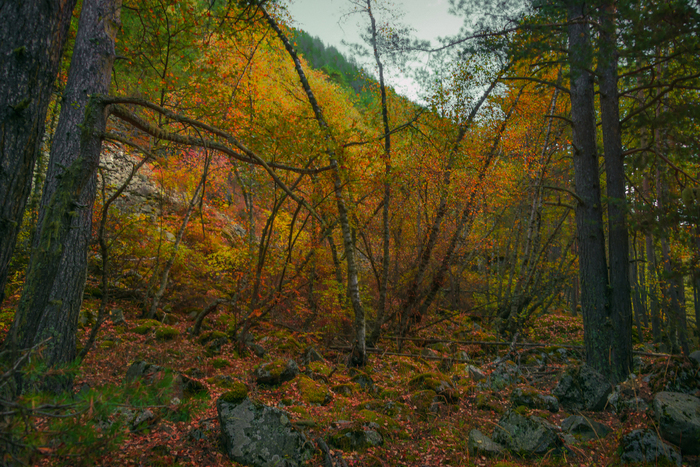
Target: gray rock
312,355
429,354
143,370
526,436
474,373
644,447
276,372
257,435
533,399
678,418
695,356
504,375
462,356
356,439
481,445
625,397
584,429
117,316
582,388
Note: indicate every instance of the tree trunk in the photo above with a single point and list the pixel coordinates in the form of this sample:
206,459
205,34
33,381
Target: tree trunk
53,289
618,241
31,41
593,269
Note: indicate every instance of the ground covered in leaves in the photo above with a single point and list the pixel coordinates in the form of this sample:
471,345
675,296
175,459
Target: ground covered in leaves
395,394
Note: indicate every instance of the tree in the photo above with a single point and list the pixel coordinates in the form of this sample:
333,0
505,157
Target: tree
53,290
32,37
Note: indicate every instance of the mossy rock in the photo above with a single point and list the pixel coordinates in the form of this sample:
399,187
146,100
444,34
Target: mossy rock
437,382
236,394
313,392
167,333
290,344
387,426
209,336
146,326
302,412
109,344
346,390
276,372
440,347
423,401
219,363
320,368
406,368
223,381
485,402
389,394
356,439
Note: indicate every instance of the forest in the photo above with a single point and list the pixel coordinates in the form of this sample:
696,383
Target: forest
223,242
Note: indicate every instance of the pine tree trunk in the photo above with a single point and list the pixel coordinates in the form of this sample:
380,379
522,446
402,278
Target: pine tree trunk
618,241
53,289
32,35
593,269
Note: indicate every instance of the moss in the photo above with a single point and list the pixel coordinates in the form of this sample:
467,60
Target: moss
440,347
313,392
146,325
387,425
521,410
320,367
167,333
389,394
344,389
209,336
237,393
219,363
422,400
299,410
290,344
431,381
108,344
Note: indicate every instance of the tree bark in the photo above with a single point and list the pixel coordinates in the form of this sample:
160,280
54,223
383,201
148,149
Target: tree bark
53,289
32,37
618,241
593,269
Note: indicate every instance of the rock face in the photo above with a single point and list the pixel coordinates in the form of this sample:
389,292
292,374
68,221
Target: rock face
481,445
526,436
533,399
644,447
582,388
276,372
678,417
260,436
583,428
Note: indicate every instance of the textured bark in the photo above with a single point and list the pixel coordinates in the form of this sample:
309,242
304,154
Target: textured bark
618,241
384,278
32,35
593,269
53,289
359,355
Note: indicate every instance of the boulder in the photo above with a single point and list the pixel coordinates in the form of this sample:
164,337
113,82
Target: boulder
276,372
533,399
312,355
504,375
257,435
625,397
582,388
441,384
678,418
481,445
474,373
677,374
356,439
526,436
644,447
362,379
584,428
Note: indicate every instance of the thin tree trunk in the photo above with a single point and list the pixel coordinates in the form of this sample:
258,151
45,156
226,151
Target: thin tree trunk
618,241
593,269
53,290
31,41
359,354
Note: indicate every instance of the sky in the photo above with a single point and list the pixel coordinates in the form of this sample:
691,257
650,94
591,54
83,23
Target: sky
324,19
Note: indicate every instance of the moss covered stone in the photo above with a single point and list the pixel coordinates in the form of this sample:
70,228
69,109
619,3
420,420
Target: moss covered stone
385,425
320,367
313,392
209,336
219,363
437,382
276,372
236,394
344,389
423,400
167,333
146,326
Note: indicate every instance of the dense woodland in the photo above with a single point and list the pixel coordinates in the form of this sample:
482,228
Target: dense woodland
201,206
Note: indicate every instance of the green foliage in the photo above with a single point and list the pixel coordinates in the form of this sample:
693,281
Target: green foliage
220,363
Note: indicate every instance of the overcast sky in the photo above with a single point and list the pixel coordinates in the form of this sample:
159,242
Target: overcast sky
324,19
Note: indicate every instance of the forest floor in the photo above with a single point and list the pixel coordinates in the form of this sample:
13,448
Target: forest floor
415,432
